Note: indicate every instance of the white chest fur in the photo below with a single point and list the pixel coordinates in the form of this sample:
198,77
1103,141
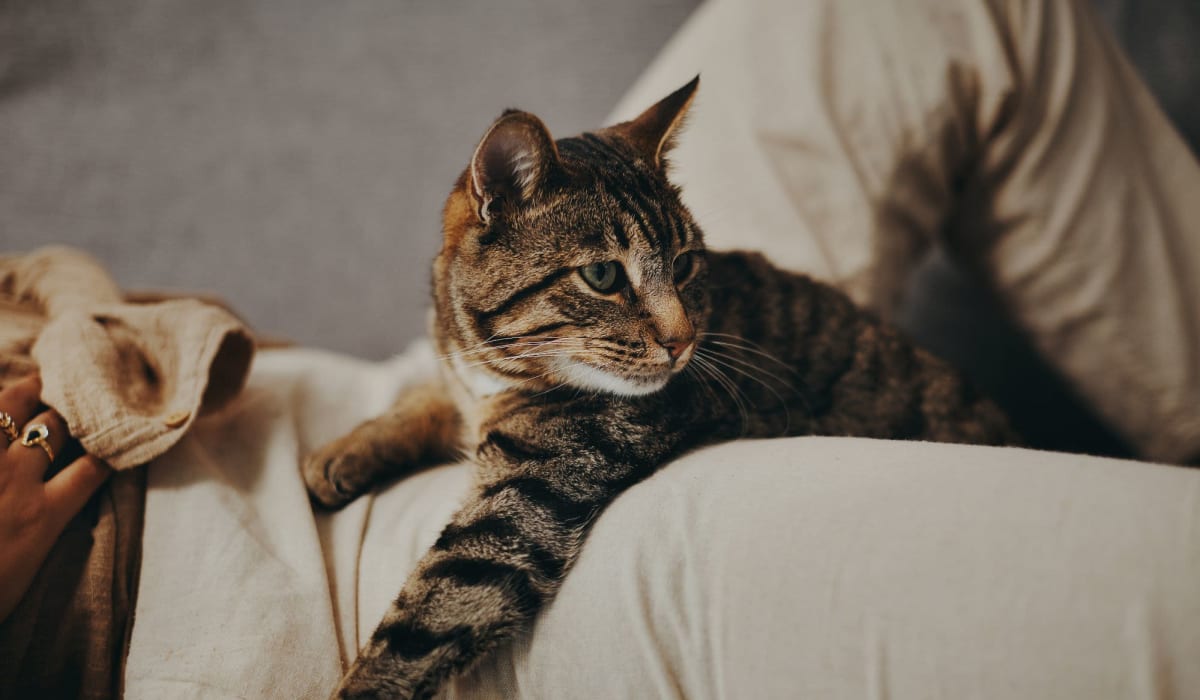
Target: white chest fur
472,388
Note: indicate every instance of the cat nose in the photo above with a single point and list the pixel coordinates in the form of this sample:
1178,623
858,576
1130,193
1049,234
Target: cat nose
675,346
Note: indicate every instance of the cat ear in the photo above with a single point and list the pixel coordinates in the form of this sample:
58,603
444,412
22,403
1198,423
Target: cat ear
512,161
653,133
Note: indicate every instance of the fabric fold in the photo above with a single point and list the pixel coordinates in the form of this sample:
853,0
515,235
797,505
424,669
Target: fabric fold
129,378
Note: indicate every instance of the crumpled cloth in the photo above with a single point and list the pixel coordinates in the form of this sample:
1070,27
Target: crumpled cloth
129,378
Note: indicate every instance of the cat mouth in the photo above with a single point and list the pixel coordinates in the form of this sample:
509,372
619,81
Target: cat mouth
585,375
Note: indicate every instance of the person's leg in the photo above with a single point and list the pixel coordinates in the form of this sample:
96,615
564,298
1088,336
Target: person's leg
845,137
840,568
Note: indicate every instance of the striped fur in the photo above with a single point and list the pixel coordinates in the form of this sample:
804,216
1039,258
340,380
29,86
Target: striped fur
565,396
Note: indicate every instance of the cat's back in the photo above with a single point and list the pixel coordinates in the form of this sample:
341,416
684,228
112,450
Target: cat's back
841,369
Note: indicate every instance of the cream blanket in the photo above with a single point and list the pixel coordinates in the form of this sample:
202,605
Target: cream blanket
784,568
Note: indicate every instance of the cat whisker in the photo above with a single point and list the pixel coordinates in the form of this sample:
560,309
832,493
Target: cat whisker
731,336
725,362
492,341
729,386
701,380
557,385
539,346
483,343
543,375
523,356
528,352
761,353
751,347
608,355
531,344
746,364
481,353
734,392
480,350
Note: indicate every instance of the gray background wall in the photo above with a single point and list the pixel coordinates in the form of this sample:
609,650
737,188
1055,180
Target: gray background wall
292,156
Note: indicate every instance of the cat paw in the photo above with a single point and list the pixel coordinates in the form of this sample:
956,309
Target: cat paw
334,476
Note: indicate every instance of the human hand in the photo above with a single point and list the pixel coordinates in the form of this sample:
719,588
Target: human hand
34,511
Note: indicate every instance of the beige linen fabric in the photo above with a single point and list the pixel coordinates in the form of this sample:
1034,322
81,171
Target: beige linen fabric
826,568
234,600
851,568
128,378
845,137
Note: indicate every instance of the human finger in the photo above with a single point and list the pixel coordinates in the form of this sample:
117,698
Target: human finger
42,439
71,488
18,402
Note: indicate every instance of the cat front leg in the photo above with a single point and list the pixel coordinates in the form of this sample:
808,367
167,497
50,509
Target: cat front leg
420,429
497,564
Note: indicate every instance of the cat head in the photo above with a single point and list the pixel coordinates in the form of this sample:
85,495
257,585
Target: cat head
572,262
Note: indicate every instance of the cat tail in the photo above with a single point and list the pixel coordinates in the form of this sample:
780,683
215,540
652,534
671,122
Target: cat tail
498,563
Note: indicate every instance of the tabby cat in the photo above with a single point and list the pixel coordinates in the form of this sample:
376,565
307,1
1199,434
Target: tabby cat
588,337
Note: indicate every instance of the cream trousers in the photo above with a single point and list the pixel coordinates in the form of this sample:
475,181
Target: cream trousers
845,138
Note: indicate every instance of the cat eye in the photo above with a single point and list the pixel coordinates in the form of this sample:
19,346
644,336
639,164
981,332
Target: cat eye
682,268
605,277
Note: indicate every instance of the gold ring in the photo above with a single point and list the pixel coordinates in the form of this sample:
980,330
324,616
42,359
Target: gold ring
36,434
9,427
